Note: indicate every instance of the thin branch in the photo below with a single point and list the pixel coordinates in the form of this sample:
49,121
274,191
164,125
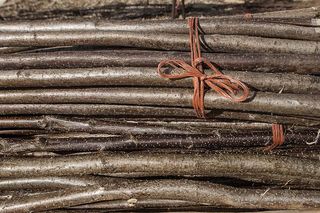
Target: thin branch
209,26
78,142
192,191
302,64
170,164
158,41
285,104
148,77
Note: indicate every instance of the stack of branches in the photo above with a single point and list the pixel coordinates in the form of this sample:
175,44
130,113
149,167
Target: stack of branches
87,124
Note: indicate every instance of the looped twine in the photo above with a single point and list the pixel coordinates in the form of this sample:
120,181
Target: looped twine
278,136
225,85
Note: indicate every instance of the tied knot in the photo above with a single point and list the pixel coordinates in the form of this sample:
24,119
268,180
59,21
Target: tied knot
204,77
222,84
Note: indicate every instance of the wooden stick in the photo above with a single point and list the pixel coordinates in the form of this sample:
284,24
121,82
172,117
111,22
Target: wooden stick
212,165
121,205
211,43
310,152
302,64
113,126
148,77
135,126
96,124
219,139
8,50
193,191
140,205
54,183
51,183
303,12
208,26
129,111
284,104
22,122
174,205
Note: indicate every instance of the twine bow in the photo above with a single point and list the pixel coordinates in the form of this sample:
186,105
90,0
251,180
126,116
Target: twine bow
225,85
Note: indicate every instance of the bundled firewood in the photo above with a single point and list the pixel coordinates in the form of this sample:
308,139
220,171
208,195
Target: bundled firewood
115,115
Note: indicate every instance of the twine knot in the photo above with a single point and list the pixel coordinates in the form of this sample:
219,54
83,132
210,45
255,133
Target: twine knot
203,77
225,85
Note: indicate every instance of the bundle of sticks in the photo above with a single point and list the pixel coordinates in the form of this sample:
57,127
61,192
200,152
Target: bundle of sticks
88,124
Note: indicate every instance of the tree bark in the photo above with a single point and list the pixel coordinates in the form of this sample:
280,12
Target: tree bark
159,41
145,164
193,191
282,104
148,77
219,139
208,26
257,62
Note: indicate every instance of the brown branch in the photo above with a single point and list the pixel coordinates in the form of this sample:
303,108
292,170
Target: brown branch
148,77
285,104
302,64
159,41
129,111
219,139
170,164
209,26
193,191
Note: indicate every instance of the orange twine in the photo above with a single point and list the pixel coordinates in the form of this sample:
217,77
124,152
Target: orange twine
225,85
278,136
